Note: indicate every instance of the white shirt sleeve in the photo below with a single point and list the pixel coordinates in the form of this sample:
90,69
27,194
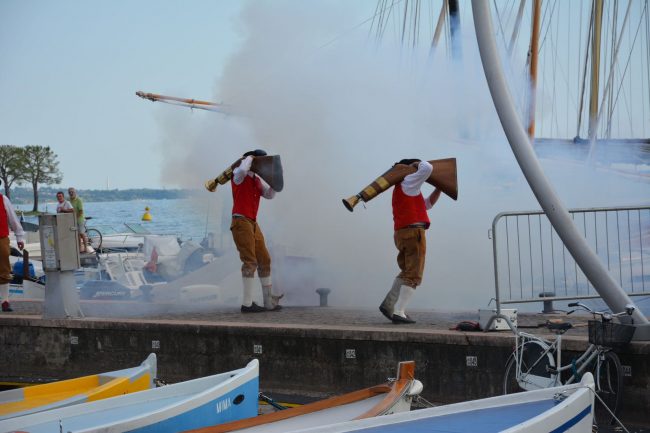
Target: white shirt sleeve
240,172
413,182
267,191
14,224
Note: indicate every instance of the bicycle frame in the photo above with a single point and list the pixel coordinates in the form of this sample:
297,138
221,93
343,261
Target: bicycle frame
552,350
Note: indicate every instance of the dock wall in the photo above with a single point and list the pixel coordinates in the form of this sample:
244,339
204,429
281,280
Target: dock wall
299,360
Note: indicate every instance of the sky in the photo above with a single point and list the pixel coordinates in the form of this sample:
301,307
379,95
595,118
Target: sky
70,70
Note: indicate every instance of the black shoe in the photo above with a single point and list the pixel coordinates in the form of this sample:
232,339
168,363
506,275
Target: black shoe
385,312
6,308
397,319
253,308
278,307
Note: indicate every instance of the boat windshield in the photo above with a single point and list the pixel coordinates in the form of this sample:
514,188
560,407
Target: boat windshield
127,228
137,228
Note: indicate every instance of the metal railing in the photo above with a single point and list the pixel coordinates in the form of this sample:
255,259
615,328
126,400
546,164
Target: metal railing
531,264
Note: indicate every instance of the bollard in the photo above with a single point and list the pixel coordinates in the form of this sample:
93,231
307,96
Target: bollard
323,292
548,305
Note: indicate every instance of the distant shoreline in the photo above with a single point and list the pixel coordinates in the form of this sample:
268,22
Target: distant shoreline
25,195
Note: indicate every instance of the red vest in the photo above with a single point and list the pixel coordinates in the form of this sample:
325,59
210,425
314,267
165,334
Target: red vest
246,197
4,221
407,209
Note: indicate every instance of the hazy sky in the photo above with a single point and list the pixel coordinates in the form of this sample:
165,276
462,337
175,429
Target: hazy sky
70,70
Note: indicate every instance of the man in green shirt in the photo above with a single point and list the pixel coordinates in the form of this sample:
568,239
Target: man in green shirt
78,206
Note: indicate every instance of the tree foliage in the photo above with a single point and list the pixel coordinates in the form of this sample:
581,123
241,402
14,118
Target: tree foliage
12,166
41,167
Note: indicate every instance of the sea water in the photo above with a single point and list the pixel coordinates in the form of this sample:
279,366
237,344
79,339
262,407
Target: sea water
189,219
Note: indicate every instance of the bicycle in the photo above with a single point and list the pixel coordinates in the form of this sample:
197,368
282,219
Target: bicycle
94,236
536,362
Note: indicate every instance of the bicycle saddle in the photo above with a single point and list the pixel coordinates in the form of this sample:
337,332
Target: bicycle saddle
560,327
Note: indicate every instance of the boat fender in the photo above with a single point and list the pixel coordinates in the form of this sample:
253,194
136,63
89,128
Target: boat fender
415,388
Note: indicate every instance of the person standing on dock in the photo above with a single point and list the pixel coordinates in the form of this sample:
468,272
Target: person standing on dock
247,188
62,205
410,222
78,207
8,221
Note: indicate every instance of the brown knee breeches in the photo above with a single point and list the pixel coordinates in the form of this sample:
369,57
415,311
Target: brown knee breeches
412,246
5,266
252,250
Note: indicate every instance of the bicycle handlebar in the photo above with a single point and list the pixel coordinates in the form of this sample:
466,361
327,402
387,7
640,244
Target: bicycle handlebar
629,309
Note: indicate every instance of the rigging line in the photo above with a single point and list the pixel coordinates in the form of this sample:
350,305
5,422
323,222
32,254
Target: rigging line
555,57
515,30
606,128
647,45
372,24
541,107
503,33
636,34
406,8
439,27
355,27
584,73
580,13
387,20
568,63
555,67
549,25
416,28
509,8
379,13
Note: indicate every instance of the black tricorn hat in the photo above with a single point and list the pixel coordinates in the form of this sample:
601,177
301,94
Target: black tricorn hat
408,161
256,152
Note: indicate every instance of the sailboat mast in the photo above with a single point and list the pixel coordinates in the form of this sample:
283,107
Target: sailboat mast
533,53
515,30
595,69
439,25
454,27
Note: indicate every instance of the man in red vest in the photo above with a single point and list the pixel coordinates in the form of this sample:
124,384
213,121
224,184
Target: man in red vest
8,220
247,188
411,221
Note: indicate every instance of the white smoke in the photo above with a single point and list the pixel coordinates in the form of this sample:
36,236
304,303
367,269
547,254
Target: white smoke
340,114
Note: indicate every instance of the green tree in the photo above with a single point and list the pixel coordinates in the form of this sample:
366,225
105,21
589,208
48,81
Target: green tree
12,166
41,167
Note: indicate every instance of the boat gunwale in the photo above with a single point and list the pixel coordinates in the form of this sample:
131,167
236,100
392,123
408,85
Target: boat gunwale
394,391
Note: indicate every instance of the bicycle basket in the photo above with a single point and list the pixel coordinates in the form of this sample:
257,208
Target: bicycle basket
610,334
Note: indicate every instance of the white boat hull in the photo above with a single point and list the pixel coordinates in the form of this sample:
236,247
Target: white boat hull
183,406
528,412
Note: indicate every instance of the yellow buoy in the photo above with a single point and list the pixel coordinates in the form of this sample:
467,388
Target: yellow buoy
147,215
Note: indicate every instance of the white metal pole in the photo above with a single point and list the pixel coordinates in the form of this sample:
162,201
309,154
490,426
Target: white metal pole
589,262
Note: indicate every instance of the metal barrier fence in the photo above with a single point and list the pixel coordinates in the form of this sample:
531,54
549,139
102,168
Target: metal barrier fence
531,264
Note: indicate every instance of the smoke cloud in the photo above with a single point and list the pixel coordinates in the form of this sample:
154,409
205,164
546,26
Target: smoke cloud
341,113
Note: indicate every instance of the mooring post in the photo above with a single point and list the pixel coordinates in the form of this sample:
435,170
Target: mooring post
323,292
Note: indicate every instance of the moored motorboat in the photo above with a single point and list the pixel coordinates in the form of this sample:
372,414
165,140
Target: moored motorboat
38,398
186,405
392,397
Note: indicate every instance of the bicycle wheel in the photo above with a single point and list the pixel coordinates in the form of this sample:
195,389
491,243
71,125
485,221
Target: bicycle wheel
608,374
536,360
94,238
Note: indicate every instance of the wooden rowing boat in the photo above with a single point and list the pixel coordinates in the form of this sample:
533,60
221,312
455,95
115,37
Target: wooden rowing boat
173,408
567,408
37,398
392,397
